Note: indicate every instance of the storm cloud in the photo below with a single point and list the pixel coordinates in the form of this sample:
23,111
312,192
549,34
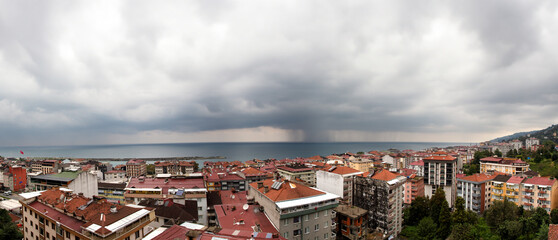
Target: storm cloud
185,71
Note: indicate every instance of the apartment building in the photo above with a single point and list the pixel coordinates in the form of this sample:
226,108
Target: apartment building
499,187
115,176
82,182
177,189
56,214
174,167
15,178
136,168
513,193
381,194
511,166
540,192
46,166
297,211
298,172
219,179
339,181
414,187
440,172
113,192
360,164
476,191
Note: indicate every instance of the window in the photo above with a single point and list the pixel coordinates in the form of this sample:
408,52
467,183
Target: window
317,227
317,215
286,235
325,212
316,238
296,232
296,219
25,219
77,238
306,230
67,234
286,222
137,234
326,224
326,235
127,238
48,235
306,217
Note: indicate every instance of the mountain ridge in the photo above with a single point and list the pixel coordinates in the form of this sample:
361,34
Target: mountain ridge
550,133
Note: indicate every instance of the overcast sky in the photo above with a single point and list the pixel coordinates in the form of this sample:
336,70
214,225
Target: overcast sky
102,72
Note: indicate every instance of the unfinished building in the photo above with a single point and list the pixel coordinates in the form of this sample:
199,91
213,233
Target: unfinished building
381,194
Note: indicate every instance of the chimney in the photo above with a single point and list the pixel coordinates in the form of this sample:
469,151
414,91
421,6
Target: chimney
260,184
113,209
266,189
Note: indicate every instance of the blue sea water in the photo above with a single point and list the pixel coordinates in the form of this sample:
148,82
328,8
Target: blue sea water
232,151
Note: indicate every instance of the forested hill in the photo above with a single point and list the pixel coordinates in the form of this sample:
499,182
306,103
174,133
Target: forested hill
550,133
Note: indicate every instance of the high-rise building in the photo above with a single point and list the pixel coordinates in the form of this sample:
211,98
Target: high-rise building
338,180
440,172
381,194
475,190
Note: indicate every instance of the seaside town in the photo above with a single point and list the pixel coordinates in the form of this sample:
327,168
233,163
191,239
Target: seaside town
363,195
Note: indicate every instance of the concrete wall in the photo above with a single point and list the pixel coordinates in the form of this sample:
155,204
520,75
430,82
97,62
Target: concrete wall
330,182
85,183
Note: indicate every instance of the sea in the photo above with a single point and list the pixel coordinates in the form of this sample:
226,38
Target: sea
231,151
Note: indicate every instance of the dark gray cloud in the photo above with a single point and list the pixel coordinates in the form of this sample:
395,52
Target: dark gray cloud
114,71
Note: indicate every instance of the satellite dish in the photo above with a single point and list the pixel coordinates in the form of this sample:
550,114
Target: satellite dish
245,207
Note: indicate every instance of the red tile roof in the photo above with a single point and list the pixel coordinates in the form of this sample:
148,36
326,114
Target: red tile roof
417,163
385,175
252,172
440,158
287,190
234,217
491,159
478,178
540,181
174,232
186,183
553,232
342,170
515,180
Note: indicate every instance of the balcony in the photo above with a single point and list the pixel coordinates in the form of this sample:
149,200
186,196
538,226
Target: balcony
528,190
542,192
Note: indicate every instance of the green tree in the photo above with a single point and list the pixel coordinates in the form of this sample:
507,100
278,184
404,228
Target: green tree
510,229
150,169
459,215
436,203
498,153
554,216
543,233
444,221
462,231
426,229
196,166
500,212
8,230
418,210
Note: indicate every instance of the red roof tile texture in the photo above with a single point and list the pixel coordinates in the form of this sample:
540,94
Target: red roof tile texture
540,181
287,191
385,175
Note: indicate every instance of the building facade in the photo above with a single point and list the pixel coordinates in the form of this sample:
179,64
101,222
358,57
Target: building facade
297,211
381,194
352,222
440,172
136,168
294,172
55,214
476,191
511,166
339,181
15,178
